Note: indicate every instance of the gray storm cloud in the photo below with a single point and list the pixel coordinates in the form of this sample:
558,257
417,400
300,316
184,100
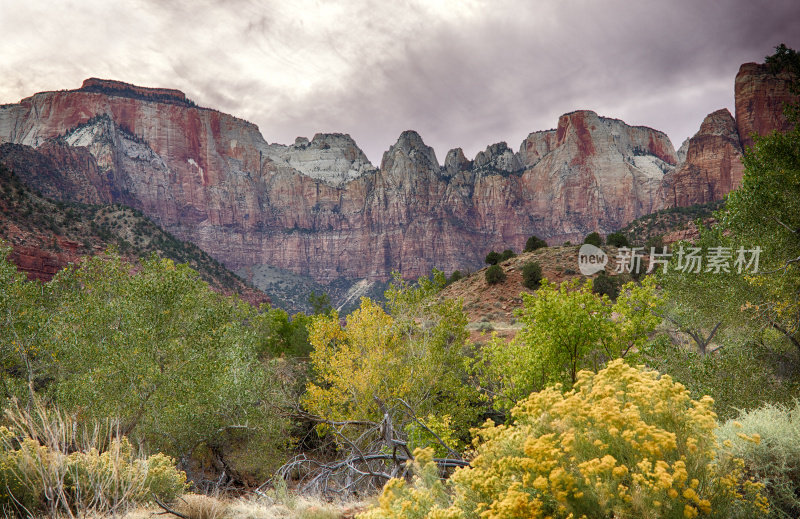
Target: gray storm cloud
462,73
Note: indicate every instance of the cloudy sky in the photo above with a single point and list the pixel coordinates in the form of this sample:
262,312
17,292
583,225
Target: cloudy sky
462,73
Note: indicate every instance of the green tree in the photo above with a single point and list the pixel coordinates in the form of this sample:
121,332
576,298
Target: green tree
279,334
531,275
494,274
174,361
320,304
533,243
617,239
26,309
493,258
567,328
455,276
604,284
593,238
507,254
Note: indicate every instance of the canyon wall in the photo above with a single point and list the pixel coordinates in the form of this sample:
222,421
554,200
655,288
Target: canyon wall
318,207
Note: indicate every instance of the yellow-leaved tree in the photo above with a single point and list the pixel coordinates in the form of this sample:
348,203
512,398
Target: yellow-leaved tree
405,367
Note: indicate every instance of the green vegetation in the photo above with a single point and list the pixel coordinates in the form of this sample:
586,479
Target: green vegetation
531,275
604,403
507,254
495,274
655,225
533,243
190,366
455,276
605,285
774,457
593,238
617,239
565,329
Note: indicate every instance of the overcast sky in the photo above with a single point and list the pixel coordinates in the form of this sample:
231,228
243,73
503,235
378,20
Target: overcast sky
462,73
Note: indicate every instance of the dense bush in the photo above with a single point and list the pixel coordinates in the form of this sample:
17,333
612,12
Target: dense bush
47,467
729,374
775,457
625,442
531,275
533,243
495,274
178,364
604,284
593,239
493,258
507,254
617,239
455,276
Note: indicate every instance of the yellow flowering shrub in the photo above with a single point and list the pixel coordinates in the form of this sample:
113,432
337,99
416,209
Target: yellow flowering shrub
623,443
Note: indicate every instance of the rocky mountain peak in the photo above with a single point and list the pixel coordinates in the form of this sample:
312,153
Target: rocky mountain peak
410,147
456,161
497,158
720,123
333,158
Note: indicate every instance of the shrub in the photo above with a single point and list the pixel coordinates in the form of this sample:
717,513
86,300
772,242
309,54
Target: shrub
507,254
593,239
604,284
493,258
625,442
531,275
775,459
617,239
495,274
41,470
455,276
533,243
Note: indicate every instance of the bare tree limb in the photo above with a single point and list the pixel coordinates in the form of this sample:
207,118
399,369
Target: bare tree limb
168,509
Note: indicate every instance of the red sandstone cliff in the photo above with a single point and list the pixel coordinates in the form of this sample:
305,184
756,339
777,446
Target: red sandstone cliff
319,208
760,98
712,167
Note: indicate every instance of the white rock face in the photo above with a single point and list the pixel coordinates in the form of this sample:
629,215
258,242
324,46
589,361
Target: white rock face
333,158
682,150
498,158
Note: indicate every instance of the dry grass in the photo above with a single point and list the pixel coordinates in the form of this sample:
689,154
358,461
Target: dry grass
196,506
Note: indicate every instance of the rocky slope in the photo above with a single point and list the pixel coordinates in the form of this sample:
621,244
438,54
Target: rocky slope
319,208
46,236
